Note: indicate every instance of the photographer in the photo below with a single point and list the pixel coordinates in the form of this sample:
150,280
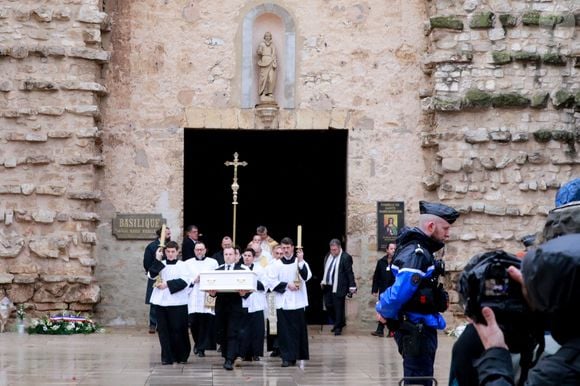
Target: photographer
550,279
411,306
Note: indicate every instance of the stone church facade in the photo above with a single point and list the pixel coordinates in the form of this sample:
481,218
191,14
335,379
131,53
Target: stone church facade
474,103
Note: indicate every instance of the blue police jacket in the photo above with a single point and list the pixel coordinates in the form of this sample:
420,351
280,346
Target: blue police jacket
413,261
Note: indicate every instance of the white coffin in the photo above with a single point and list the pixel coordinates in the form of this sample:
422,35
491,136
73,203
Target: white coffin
228,281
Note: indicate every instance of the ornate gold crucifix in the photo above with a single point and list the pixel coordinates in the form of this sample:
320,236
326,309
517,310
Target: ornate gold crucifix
235,187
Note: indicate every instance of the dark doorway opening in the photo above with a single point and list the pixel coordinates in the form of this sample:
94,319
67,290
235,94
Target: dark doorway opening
292,178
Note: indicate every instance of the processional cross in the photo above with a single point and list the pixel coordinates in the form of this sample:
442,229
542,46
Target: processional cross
235,187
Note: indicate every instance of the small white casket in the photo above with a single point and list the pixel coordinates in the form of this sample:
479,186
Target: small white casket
228,281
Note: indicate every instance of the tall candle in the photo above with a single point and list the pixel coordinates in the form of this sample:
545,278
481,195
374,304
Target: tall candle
162,237
299,237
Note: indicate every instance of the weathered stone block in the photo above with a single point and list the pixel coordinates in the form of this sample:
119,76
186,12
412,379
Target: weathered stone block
501,57
508,21
6,86
27,189
525,56
59,134
84,86
20,293
44,247
482,20
500,135
85,216
51,110
91,14
42,14
8,217
429,139
25,278
38,159
6,278
554,59
531,18
29,268
88,110
508,100
11,244
439,103
38,85
542,136
50,190
10,189
550,21
86,294
36,137
451,164
87,261
431,182
89,196
90,54
494,210
539,100
89,238
479,135
562,99
477,99
44,216
79,307
447,22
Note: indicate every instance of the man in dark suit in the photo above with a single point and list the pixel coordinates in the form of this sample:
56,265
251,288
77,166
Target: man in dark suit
191,238
337,282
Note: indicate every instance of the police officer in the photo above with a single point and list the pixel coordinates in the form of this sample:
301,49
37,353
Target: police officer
411,306
550,278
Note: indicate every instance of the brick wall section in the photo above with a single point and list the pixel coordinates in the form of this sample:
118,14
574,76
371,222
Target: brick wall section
50,86
505,106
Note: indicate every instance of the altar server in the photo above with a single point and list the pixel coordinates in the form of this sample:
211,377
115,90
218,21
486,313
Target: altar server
170,297
287,279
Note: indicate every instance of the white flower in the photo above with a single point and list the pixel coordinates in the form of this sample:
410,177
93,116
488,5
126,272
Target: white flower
34,322
54,328
70,326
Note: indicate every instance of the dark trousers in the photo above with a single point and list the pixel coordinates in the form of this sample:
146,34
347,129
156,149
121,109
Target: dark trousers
380,328
418,361
292,334
252,335
202,327
335,306
228,326
173,335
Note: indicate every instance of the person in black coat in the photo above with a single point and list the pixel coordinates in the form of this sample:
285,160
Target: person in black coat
337,283
188,246
383,278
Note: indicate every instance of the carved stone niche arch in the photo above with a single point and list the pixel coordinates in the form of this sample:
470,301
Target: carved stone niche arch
275,19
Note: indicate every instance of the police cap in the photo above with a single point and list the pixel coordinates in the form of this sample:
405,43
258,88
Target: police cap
447,213
552,274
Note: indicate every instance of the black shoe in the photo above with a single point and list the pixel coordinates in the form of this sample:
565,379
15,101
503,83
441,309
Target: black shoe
201,353
256,358
376,333
338,332
247,359
292,363
275,353
228,365
152,329
285,364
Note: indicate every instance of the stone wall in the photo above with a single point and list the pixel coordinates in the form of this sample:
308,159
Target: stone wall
505,107
474,103
50,86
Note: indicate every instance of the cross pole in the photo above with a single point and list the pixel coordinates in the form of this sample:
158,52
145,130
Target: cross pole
235,187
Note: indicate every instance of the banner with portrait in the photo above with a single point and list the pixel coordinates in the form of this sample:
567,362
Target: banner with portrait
390,220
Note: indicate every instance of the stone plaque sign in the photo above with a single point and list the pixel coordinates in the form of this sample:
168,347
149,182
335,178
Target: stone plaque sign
137,226
390,219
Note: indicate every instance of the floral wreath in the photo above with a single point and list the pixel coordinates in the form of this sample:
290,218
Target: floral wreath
63,324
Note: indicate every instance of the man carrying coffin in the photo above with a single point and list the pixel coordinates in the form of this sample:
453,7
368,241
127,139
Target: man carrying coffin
201,314
288,277
229,313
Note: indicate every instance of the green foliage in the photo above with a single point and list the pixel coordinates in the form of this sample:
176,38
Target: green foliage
477,99
448,22
543,136
501,57
554,59
508,21
482,20
523,56
531,18
539,100
63,325
509,100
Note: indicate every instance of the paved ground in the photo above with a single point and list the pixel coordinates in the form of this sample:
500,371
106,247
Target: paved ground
132,357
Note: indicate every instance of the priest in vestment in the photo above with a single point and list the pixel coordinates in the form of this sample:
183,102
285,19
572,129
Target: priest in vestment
287,279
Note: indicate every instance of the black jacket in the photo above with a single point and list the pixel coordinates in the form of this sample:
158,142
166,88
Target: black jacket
560,369
383,277
345,273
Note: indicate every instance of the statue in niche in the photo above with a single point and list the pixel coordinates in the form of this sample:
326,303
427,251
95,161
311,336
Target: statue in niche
267,64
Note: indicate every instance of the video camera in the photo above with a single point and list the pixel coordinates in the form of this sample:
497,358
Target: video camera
485,283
